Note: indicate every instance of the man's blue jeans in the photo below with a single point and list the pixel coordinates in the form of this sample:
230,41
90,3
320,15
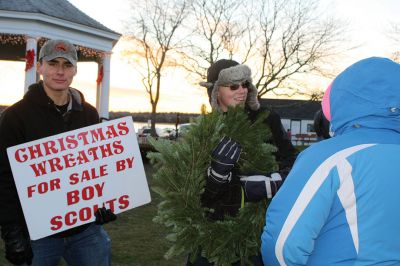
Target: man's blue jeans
91,247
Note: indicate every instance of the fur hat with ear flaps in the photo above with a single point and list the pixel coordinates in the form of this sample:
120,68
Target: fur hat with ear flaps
230,72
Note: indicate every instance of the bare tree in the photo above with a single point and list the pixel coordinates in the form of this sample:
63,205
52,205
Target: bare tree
281,39
394,32
155,33
294,40
394,35
215,29
395,56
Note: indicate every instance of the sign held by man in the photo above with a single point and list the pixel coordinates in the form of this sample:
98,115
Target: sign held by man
62,180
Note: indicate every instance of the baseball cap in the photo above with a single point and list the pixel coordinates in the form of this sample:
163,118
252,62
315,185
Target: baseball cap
58,48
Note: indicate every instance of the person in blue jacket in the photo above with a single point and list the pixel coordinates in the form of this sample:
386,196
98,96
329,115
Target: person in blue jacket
340,203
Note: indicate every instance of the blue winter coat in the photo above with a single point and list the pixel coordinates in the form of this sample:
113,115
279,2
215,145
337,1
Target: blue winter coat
340,204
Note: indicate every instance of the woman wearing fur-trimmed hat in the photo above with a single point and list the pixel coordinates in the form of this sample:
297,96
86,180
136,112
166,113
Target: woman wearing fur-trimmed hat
229,84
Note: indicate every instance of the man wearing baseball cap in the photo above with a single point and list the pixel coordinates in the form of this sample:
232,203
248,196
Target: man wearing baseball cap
49,107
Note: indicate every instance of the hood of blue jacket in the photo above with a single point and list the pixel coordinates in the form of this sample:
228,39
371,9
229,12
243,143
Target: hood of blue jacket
366,94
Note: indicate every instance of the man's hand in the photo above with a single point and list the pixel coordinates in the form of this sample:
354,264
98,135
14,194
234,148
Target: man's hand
104,216
17,245
224,157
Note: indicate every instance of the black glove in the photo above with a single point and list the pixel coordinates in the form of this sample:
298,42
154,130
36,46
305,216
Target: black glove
104,216
17,245
224,157
258,187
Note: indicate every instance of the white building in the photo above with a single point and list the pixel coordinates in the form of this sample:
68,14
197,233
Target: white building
297,116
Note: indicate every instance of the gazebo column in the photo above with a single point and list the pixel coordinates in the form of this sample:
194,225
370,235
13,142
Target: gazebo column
103,94
30,55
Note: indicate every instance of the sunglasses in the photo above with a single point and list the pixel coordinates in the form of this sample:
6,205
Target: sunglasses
245,85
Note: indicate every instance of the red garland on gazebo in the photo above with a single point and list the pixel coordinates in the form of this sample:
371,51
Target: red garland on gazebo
14,39
29,58
18,39
100,76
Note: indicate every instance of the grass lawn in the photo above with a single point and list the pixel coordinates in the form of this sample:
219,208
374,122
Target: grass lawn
136,240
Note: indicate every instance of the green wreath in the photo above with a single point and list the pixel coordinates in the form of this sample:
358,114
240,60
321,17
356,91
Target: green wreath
180,180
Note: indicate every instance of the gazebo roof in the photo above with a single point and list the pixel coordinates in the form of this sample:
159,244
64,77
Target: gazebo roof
54,8
51,19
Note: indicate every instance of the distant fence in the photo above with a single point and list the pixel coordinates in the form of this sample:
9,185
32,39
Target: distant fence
304,139
297,140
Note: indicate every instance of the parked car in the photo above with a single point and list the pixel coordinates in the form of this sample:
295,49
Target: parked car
146,131
169,133
183,129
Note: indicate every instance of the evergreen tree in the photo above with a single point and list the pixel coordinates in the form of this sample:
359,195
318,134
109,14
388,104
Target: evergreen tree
181,177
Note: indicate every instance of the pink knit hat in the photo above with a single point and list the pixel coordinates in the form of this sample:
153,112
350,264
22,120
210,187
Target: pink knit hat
326,106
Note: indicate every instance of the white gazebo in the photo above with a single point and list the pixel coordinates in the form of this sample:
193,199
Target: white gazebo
25,25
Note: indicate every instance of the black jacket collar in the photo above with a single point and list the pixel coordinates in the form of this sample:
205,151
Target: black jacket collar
37,94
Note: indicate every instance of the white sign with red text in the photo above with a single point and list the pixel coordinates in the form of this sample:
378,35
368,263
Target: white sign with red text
63,179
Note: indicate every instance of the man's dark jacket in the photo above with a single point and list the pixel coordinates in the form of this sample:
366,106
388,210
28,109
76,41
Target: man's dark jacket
32,118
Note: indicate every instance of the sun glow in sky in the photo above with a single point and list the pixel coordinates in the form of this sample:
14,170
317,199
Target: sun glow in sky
369,22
